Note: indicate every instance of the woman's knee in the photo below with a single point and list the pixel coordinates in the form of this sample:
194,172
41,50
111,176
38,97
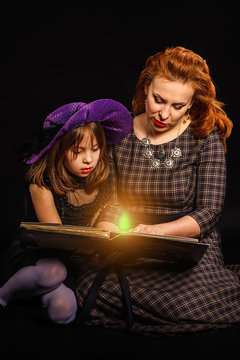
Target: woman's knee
51,272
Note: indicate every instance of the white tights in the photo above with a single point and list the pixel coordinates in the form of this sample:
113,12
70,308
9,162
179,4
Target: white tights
45,279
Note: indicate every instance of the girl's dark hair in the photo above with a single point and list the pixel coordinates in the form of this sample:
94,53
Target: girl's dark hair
50,171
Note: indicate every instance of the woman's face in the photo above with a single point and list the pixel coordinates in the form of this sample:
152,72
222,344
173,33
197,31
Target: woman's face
166,103
82,161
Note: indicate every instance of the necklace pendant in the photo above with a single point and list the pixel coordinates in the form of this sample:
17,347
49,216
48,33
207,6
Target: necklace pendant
168,163
176,152
155,163
148,153
146,142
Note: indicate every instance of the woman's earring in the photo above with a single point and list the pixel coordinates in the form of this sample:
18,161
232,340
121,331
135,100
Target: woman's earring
188,116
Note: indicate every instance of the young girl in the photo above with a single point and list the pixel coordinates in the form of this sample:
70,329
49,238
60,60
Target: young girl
68,182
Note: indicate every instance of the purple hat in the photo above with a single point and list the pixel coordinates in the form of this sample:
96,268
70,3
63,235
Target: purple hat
113,116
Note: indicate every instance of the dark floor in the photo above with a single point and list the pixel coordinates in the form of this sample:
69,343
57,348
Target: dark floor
25,333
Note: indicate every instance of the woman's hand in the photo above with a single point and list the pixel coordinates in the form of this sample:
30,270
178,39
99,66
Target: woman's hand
149,229
185,226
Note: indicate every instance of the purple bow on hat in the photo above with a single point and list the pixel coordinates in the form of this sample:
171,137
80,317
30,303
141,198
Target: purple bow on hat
113,116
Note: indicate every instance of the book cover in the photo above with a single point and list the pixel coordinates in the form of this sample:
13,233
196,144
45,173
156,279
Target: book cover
89,240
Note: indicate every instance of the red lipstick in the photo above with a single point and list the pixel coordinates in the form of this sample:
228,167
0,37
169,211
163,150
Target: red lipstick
86,170
159,124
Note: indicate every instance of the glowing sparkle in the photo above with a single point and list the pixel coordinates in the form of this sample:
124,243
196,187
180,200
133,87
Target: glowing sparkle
124,222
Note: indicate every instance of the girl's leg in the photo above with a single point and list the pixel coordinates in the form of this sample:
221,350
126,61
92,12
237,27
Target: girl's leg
45,278
61,304
46,275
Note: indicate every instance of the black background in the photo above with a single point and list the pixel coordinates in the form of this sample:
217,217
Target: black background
52,55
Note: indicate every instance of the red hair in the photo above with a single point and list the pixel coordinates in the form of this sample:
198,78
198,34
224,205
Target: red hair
183,65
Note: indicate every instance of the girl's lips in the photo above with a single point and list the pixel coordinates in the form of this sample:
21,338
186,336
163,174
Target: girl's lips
159,123
86,170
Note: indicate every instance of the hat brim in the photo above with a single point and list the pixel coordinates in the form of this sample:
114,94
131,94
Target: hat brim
114,117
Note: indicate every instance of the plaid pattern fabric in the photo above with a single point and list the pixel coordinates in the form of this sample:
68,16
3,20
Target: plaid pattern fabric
195,185
167,300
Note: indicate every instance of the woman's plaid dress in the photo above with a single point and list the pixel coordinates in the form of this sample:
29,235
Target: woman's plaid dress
204,296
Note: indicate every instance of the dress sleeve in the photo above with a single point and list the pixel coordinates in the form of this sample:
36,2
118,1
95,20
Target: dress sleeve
211,184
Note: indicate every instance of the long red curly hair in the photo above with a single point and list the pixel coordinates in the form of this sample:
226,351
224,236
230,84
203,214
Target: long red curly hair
183,65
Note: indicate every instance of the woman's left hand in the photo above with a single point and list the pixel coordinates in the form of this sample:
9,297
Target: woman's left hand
185,226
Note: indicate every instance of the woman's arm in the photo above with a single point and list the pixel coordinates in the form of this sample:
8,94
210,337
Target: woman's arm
185,226
44,204
211,184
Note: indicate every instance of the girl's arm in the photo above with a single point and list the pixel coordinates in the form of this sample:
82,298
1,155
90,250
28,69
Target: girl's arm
44,204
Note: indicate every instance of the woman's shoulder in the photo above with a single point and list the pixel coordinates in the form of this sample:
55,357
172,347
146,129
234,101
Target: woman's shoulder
213,136
129,139
212,142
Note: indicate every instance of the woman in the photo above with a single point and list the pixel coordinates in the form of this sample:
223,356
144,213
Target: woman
171,175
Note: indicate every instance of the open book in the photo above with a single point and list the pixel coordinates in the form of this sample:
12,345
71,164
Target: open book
89,240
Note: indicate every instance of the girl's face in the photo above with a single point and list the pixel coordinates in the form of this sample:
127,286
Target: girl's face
82,160
166,103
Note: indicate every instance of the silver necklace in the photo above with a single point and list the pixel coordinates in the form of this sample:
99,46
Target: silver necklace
148,152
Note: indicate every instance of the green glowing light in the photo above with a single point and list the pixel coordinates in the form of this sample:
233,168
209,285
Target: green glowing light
124,222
